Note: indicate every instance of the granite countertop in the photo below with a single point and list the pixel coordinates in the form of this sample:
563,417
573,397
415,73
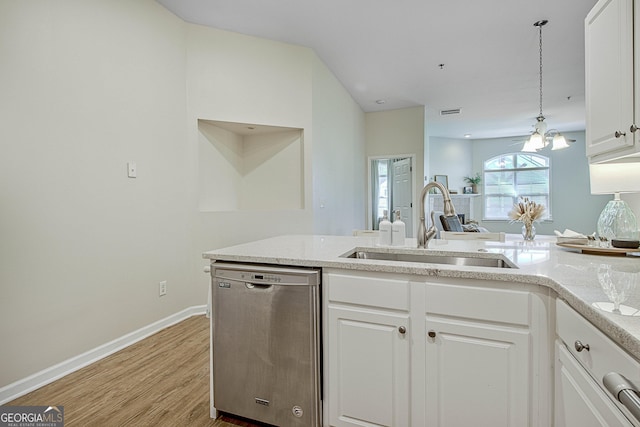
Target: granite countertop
586,282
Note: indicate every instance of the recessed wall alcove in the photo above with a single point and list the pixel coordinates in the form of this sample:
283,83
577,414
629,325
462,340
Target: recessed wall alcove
243,166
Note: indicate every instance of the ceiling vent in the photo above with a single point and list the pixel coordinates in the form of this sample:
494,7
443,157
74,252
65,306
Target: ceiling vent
450,112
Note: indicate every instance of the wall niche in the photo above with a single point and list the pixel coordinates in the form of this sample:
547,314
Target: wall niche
243,166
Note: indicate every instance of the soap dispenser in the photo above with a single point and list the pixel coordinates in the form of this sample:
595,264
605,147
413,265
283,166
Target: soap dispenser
398,230
385,226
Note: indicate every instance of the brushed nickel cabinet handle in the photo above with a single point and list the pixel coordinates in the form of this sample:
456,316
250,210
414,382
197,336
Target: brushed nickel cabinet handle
633,128
579,346
402,330
618,134
432,334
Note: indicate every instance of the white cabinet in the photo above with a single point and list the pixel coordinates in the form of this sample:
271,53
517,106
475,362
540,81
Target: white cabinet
579,401
480,367
583,356
404,351
367,350
611,106
477,375
369,356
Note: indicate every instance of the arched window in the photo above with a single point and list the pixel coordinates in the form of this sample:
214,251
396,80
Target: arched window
510,176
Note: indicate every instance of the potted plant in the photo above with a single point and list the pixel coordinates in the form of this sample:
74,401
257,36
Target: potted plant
474,181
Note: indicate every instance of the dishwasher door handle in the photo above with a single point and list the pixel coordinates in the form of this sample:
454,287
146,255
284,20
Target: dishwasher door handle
623,391
257,285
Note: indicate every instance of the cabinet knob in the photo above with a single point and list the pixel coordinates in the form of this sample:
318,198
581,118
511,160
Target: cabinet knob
633,128
432,334
579,346
618,134
402,330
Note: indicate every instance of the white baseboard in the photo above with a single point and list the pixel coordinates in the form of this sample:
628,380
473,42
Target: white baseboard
48,375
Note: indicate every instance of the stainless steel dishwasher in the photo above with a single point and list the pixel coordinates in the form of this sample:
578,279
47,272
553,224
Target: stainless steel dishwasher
265,343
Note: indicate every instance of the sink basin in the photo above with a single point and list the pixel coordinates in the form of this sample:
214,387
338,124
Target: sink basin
482,260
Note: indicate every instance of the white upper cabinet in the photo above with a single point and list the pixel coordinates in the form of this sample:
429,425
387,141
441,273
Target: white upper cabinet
611,104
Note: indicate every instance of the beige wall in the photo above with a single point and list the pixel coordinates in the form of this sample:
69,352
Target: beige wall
339,162
398,132
237,78
89,86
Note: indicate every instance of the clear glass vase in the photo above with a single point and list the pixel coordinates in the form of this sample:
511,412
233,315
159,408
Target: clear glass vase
617,220
528,231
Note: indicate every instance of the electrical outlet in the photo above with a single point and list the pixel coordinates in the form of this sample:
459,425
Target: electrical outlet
162,288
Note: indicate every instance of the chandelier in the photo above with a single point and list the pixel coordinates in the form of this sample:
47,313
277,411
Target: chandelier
541,138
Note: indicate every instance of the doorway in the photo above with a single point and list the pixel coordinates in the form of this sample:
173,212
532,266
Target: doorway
391,188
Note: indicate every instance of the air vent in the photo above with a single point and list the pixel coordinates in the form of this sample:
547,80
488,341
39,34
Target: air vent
449,112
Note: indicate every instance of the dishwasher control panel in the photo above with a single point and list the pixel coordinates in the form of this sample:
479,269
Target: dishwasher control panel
258,277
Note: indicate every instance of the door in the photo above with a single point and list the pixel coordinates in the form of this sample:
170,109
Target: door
369,368
477,375
609,76
401,196
391,187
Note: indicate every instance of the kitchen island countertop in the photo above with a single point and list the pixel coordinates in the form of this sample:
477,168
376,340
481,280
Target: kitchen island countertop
586,282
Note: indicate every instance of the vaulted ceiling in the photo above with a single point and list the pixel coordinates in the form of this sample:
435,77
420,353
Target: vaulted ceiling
388,54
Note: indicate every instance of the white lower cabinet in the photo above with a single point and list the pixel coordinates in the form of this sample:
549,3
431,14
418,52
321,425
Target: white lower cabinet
477,375
367,350
583,356
579,401
369,357
401,351
480,366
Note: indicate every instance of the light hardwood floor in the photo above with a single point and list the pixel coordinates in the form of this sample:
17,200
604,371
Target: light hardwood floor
162,380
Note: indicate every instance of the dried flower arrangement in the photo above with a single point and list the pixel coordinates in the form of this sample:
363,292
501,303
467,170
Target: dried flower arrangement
527,211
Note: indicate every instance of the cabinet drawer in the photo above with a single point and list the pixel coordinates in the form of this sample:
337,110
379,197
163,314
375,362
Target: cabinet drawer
603,356
373,290
494,305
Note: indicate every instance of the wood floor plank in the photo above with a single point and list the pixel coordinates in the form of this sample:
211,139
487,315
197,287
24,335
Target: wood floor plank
162,380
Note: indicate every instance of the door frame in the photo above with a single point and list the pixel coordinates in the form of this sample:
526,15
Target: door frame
414,204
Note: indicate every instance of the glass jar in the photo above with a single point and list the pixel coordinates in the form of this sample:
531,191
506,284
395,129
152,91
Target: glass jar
528,231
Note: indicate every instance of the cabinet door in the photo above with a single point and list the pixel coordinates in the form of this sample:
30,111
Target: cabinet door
368,368
477,375
609,77
579,401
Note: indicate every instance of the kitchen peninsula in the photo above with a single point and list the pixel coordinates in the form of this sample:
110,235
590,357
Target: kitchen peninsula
518,303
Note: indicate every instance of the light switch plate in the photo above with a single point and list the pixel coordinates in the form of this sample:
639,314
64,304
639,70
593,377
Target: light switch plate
132,172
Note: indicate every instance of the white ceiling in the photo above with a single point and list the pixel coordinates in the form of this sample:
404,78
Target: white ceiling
390,50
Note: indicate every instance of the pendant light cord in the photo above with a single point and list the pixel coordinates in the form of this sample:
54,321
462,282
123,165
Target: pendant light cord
540,24
540,38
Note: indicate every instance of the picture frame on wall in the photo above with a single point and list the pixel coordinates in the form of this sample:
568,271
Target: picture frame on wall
442,179
468,190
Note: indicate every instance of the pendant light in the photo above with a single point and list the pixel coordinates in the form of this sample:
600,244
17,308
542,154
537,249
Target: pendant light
539,138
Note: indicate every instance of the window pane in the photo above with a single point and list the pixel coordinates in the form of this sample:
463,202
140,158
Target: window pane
499,182
529,183
497,207
500,162
531,161
510,176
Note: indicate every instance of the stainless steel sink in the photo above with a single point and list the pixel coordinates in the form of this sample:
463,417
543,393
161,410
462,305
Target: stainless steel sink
482,260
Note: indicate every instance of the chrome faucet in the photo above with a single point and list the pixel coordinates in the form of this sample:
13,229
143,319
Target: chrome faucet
424,235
